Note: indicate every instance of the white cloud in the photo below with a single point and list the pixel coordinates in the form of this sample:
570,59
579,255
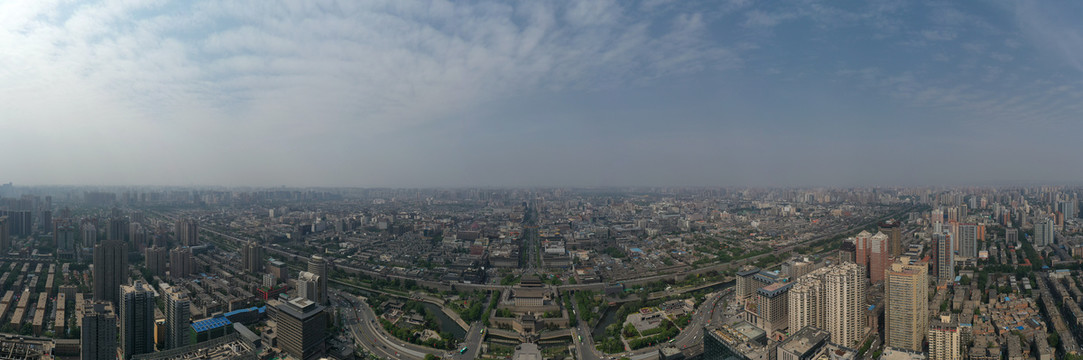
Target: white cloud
1054,29
939,35
256,89
228,73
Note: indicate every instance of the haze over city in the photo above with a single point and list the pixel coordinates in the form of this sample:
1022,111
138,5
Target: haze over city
585,93
541,180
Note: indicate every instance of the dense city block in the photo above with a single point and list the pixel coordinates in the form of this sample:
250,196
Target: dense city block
666,273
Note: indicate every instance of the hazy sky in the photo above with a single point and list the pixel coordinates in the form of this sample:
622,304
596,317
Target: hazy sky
525,93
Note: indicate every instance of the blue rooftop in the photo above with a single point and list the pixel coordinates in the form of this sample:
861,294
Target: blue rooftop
637,250
209,324
261,310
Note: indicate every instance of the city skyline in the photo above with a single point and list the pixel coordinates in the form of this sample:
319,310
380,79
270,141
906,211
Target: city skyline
651,93
859,273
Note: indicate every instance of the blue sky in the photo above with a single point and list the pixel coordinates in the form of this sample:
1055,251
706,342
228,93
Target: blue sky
583,93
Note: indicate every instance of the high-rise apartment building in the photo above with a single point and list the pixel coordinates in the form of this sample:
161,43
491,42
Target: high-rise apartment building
45,219
137,319
317,265
187,232
20,223
88,235
1011,235
968,240
64,234
806,301
278,269
893,229
749,280
879,256
110,270
936,217
1043,232
252,257
269,281
848,251
796,268
117,229
1068,208
861,242
5,235
157,260
302,328
137,235
944,340
177,316
845,305
743,287
308,285
831,298
98,332
906,297
180,262
945,258
770,308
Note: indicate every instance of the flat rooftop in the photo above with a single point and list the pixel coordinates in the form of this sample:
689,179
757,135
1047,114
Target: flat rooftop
805,340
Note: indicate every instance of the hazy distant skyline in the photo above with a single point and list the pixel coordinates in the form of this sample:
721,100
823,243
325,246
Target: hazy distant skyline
582,93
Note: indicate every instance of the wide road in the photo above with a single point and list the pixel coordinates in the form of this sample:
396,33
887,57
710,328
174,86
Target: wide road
472,343
689,338
694,330
584,343
692,334
368,333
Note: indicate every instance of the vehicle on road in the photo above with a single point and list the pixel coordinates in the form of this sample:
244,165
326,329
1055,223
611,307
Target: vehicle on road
463,350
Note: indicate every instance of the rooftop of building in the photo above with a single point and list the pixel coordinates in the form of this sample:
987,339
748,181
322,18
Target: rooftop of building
210,324
900,354
775,289
300,308
260,309
743,329
231,346
805,340
748,271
